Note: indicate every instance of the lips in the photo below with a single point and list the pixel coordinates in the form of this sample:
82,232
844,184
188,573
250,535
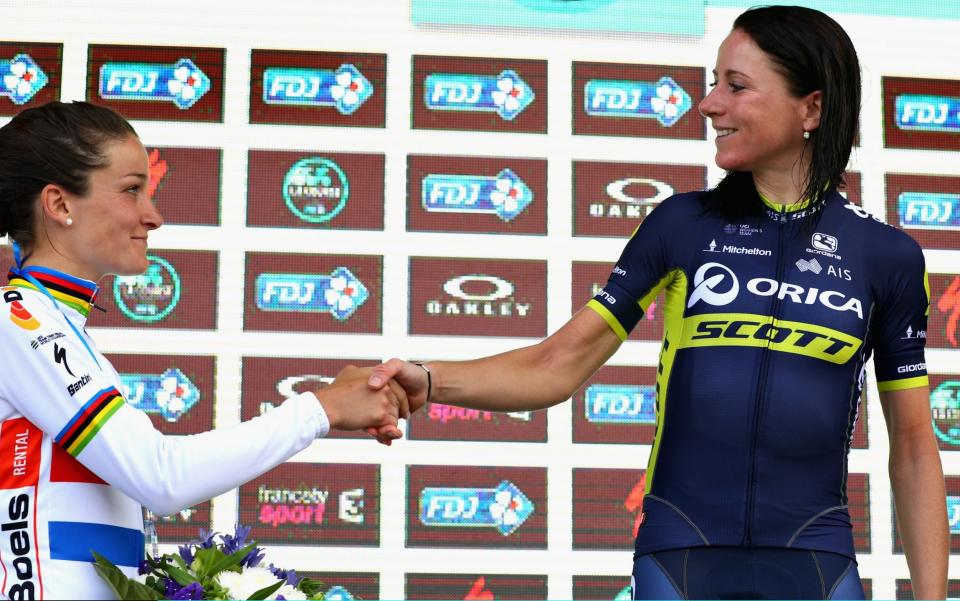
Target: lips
723,132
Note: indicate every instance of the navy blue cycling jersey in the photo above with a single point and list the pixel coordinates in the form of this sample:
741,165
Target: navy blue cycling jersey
769,323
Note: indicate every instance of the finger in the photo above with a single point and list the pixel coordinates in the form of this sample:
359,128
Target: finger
384,372
389,431
372,431
401,394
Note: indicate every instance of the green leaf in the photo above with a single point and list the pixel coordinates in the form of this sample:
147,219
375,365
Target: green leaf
267,590
183,577
231,560
310,587
123,587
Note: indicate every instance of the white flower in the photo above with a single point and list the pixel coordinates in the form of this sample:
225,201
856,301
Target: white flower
289,592
21,78
347,88
665,101
507,195
246,583
504,510
184,83
509,93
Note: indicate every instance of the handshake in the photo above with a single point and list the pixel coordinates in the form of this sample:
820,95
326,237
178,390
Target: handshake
375,398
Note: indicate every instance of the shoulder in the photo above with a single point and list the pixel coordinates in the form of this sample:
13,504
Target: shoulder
680,207
885,242
25,312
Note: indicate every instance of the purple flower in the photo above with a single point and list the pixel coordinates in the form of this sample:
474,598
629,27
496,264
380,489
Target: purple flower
289,575
191,591
186,553
253,558
170,587
232,544
206,539
144,567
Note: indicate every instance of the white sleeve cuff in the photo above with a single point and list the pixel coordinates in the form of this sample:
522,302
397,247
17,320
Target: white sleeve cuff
310,407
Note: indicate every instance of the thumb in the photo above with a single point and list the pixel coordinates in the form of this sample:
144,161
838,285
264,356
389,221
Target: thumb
384,372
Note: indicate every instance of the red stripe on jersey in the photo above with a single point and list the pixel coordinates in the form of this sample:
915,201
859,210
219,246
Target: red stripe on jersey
19,454
64,468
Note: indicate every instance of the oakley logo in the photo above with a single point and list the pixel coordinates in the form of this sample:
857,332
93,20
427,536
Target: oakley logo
617,190
500,288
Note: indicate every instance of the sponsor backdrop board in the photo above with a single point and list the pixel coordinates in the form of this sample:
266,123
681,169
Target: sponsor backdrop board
433,180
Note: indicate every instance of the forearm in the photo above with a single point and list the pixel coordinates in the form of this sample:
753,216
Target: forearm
920,497
532,377
169,473
518,380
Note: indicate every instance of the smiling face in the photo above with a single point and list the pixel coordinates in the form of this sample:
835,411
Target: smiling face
111,222
759,123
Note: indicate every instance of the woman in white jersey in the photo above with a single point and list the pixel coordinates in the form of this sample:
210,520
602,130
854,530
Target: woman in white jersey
78,461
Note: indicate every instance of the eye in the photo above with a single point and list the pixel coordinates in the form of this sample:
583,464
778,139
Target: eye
712,84
735,88
134,189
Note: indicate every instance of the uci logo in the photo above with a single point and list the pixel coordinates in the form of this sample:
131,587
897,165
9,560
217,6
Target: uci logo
706,287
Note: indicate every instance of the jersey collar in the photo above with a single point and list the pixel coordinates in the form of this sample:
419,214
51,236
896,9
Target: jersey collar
71,291
791,212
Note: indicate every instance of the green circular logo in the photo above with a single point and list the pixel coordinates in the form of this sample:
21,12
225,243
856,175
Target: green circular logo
150,296
564,6
315,189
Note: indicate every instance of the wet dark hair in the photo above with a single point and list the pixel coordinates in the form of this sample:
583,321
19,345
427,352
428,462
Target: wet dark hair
812,52
56,143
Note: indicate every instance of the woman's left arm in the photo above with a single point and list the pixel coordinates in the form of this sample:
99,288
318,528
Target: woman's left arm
918,489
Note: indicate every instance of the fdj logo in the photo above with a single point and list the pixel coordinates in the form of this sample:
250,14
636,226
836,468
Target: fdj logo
663,100
928,113
170,394
22,78
620,404
182,83
505,94
316,189
953,513
929,210
505,507
505,195
150,296
945,411
339,293
346,89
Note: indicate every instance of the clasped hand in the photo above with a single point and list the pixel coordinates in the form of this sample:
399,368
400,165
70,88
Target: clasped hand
374,399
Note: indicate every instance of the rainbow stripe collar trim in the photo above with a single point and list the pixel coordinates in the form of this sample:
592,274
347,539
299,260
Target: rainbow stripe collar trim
71,291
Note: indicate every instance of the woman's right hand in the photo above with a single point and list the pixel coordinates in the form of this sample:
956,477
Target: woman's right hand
350,404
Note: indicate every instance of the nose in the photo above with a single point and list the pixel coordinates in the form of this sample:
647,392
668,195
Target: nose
709,106
151,217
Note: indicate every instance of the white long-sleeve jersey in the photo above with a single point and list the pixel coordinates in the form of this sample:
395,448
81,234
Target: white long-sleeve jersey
77,462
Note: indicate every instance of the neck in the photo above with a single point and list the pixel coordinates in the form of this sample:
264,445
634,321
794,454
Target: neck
44,256
783,186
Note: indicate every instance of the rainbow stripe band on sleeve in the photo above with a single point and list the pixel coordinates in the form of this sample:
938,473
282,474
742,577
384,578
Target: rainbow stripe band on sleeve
78,433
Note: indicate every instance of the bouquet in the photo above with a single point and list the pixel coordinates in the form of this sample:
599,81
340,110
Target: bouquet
205,569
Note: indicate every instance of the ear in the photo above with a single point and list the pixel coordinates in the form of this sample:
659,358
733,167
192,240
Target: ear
55,203
810,108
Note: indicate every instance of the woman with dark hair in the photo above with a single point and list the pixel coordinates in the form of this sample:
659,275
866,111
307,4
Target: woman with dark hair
80,462
777,291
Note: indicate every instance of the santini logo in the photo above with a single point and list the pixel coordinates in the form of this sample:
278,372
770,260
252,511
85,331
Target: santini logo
712,290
